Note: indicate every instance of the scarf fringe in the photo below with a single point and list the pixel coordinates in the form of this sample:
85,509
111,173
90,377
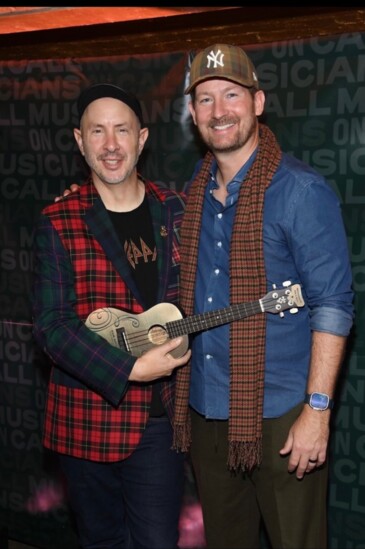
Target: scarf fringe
244,455
182,437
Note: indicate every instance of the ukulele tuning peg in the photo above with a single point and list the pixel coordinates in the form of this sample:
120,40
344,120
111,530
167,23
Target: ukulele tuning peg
281,314
293,310
287,283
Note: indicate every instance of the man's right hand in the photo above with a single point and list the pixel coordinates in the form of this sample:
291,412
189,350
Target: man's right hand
158,362
73,188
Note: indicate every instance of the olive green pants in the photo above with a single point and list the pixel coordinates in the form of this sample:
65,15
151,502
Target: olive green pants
235,506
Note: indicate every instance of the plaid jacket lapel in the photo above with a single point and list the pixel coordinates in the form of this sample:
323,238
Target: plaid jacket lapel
163,233
101,226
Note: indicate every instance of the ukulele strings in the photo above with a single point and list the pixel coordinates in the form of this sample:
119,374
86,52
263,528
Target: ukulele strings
157,334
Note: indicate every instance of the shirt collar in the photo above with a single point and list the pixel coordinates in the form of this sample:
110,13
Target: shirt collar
238,178
234,186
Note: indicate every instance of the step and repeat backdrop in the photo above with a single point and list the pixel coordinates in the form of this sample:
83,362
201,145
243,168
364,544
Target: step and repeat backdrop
315,104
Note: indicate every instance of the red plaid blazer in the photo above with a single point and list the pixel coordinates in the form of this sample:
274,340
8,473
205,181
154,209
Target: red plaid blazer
92,410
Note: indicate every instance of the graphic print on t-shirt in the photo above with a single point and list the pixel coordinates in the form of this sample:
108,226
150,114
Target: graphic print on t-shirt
137,253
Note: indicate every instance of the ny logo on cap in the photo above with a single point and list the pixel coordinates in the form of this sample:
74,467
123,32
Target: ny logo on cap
215,58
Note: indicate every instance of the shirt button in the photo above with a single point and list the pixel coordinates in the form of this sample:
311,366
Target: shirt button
220,216
219,244
210,299
216,271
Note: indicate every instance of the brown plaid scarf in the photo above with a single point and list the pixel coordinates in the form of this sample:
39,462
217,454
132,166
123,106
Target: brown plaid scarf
247,283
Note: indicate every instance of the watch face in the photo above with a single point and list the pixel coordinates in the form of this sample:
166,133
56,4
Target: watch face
319,401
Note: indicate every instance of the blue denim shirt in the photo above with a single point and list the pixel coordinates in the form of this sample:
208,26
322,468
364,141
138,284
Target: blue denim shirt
304,242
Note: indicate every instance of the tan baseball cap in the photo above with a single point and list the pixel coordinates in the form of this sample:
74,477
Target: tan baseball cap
222,61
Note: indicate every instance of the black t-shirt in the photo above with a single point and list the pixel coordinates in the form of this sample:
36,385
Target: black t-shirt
135,231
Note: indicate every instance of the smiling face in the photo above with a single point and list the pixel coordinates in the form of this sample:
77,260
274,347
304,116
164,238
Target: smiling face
226,114
111,140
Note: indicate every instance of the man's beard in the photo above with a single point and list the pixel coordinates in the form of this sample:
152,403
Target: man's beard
239,140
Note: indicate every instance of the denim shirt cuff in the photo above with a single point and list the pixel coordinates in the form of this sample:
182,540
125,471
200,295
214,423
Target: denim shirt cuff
331,320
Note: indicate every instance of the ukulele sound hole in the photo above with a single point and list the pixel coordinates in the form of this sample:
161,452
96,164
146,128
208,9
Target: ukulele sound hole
158,335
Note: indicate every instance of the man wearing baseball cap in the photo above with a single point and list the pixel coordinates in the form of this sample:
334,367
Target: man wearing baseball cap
106,252
254,406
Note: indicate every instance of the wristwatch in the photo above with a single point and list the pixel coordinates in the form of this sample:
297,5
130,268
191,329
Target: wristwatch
319,401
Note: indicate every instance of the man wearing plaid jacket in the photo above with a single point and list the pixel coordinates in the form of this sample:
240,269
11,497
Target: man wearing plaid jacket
115,244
